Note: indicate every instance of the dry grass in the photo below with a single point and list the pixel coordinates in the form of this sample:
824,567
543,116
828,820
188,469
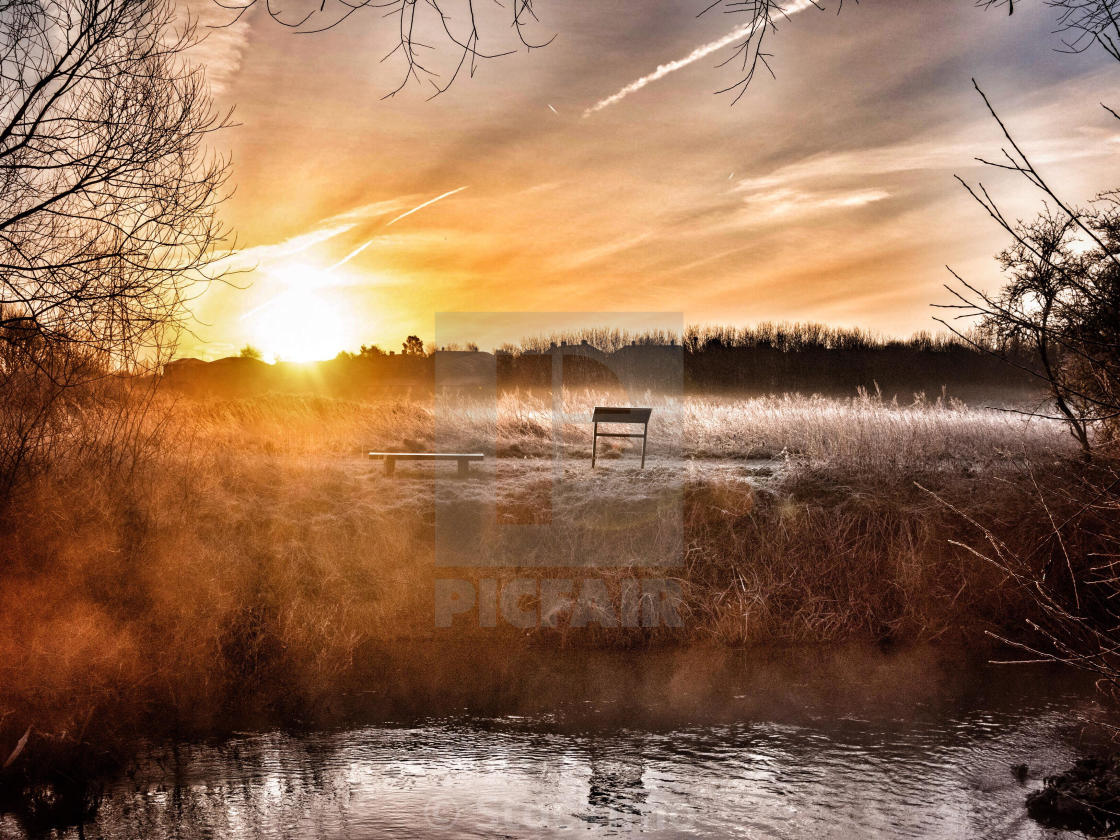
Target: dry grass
259,557
864,428
867,430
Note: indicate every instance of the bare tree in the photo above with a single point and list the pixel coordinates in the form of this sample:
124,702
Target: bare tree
1081,23
436,40
107,197
108,200
1063,292
1062,296
748,56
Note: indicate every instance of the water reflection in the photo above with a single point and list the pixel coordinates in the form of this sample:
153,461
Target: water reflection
615,791
601,745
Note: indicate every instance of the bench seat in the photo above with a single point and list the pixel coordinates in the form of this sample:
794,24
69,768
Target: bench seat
463,458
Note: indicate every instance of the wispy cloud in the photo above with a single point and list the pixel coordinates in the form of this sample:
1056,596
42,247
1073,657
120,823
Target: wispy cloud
377,209
663,70
248,261
785,200
601,252
332,227
840,180
351,255
223,43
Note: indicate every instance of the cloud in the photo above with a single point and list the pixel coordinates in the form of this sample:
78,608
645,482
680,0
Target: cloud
224,40
329,228
377,210
787,200
268,257
601,252
1053,132
794,182
663,70
351,255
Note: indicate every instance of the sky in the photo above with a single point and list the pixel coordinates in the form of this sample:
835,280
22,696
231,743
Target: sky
603,174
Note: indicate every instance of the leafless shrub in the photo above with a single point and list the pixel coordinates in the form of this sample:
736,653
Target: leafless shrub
1071,576
1062,296
1061,299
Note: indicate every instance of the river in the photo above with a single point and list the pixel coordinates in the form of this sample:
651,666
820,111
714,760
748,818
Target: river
789,743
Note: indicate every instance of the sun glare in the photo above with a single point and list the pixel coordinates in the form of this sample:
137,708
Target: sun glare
305,322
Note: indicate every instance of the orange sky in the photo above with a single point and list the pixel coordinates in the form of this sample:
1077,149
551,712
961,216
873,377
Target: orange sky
824,194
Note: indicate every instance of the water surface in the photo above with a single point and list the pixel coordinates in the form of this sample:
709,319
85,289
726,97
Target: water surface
798,744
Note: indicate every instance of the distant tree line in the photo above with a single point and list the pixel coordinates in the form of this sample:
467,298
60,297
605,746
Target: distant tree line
767,358
774,358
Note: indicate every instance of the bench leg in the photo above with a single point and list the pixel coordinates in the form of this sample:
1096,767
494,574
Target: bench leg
643,452
594,443
390,464
464,467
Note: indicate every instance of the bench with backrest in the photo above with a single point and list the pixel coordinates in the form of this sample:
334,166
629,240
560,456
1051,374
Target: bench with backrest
464,458
614,414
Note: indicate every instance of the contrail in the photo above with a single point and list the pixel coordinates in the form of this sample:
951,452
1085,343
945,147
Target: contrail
425,204
263,306
365,245
697,54
350,256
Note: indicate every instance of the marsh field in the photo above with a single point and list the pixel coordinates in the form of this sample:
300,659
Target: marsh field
251,562
859,577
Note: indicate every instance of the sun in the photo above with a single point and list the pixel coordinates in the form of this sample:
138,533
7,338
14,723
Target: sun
306,321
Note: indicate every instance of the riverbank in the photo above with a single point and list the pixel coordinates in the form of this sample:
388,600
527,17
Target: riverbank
253,561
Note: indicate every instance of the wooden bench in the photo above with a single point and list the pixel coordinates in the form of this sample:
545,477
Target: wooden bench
611,414
464,459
